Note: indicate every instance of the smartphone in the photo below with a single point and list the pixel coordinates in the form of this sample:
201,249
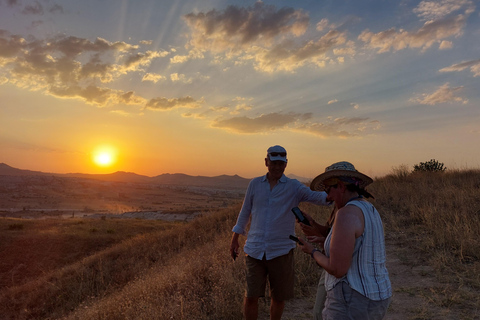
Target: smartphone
295,239
300,217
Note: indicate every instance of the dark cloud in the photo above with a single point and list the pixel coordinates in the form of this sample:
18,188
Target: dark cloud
36,8
56,8
71,67
264,35
236,27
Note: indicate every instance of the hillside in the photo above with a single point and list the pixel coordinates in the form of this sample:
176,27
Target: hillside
183,271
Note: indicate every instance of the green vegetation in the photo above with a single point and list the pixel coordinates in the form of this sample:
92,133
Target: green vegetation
429,166
134,269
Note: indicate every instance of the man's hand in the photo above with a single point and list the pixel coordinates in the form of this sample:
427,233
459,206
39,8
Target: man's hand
234,246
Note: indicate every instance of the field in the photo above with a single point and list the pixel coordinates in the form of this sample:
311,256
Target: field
47,196
83,268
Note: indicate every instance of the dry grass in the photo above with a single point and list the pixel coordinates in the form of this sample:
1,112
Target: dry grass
184,271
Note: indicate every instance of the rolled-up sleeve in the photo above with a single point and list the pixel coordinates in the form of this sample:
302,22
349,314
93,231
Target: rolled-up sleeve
308,195
245,212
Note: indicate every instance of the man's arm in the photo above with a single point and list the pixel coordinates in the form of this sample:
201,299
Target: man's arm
307,195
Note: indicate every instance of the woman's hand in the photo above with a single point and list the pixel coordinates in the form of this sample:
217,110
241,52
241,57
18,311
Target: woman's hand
305,246
316,239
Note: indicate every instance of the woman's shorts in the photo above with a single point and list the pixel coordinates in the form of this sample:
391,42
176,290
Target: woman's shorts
345,303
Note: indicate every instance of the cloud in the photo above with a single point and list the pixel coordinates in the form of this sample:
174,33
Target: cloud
56,8
135,61
474,66
444,45
153,77
71,67
263,123
324,24
443,94
341,127
35,8
433,10
176,77
241,107
266,36
239,28
431,32
167,104
95,95
193,54
287,56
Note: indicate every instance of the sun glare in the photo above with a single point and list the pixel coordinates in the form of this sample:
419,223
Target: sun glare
104,156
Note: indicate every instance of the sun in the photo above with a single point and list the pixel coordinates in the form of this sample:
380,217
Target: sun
104,156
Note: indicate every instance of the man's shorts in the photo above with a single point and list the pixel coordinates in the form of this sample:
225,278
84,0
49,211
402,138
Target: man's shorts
280,272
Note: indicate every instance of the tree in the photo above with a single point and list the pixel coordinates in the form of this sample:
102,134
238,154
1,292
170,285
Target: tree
429,166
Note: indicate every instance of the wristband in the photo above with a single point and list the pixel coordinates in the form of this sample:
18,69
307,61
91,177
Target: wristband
313,251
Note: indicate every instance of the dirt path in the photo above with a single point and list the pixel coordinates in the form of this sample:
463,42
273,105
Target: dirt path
410,286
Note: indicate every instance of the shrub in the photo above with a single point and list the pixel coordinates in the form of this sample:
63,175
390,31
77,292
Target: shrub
429,166
15,226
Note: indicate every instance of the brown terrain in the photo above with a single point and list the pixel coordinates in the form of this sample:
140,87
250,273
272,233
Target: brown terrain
29,194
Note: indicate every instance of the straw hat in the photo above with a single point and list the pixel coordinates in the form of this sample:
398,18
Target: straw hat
341,169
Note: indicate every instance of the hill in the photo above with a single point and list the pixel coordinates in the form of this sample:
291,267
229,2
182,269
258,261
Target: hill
177,179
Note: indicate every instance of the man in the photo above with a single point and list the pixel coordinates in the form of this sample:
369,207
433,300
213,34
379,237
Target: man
269,251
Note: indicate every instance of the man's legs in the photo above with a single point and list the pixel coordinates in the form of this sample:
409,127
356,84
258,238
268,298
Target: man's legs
276,309
251,308
282,276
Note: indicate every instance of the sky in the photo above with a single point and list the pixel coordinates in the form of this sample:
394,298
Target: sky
205,87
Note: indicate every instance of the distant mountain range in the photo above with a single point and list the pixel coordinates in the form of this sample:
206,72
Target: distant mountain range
179,179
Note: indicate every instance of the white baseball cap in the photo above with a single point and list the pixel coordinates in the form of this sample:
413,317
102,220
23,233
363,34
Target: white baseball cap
277,153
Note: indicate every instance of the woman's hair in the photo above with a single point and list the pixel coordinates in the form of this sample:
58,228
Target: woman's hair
361,191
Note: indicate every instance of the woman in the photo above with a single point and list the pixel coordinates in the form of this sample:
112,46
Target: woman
357,282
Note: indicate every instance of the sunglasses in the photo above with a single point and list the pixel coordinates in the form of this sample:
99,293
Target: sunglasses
276,154
328,188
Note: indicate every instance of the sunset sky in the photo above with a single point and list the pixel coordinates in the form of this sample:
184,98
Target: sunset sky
205,87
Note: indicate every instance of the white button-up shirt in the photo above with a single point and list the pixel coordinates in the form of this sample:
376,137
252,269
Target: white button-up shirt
272,220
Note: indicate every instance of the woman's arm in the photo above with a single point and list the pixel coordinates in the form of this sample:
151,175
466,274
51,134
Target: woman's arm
348,226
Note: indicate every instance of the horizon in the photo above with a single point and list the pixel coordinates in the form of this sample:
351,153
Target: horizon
205,87
131,172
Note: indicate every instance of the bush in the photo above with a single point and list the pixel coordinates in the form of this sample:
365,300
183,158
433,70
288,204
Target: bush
429,166
15,226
